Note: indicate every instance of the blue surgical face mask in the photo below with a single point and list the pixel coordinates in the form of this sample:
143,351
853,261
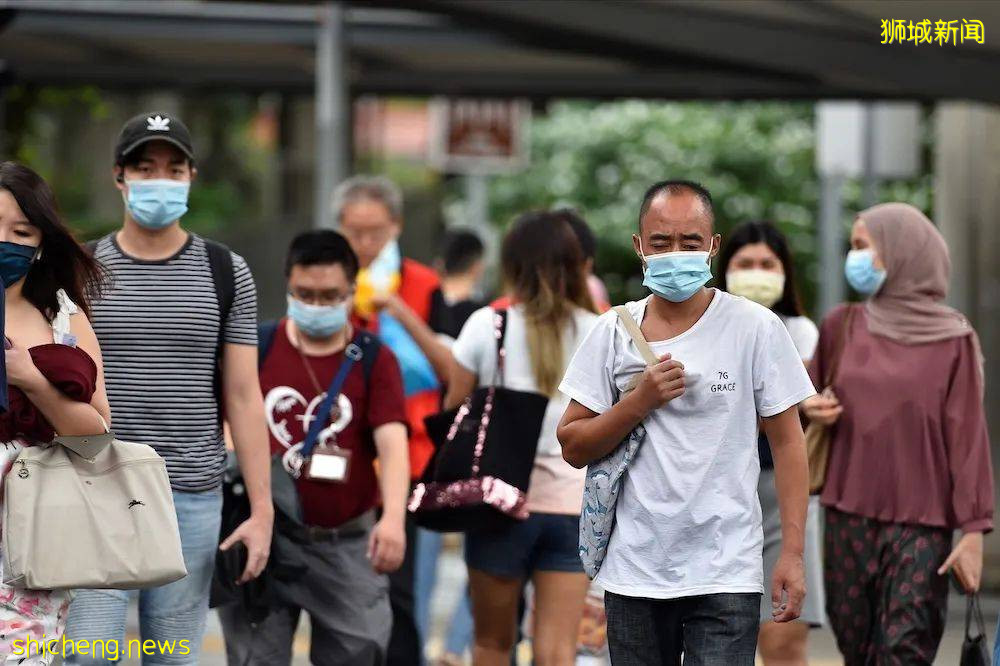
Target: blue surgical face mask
861,274
676,276
317,321
15,262
157,203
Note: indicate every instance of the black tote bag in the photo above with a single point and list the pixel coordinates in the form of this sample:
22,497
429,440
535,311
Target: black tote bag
484,453
975,651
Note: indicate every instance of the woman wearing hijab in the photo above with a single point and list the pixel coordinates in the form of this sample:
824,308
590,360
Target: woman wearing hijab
909,452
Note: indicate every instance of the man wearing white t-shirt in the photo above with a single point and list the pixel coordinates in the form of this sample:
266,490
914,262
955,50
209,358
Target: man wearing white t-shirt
683,570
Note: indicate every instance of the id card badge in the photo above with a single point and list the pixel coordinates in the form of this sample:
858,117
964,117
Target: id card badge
329,463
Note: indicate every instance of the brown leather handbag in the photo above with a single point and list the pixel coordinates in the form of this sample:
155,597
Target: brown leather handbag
818,435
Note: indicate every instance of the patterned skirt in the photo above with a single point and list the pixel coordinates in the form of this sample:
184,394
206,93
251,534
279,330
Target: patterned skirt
32,622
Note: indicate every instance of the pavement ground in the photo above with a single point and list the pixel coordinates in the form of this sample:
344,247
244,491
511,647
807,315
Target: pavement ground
451,583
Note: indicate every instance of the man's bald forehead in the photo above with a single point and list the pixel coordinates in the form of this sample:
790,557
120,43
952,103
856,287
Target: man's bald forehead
679,189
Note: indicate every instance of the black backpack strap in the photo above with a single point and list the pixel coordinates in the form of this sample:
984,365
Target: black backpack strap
220,261
265,340
370,346
91,245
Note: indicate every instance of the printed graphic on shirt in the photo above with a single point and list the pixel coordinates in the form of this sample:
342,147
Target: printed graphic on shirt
289,416
722,383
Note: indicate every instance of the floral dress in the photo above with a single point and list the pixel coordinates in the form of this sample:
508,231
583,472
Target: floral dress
36,614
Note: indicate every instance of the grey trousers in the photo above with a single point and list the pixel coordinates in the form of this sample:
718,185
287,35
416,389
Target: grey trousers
347,603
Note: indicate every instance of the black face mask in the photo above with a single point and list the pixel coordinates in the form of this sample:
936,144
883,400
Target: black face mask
15,261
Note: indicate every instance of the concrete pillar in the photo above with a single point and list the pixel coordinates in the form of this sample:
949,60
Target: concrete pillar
967,210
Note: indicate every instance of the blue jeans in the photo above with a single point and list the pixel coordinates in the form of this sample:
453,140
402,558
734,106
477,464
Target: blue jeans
460,630
996,646
172,612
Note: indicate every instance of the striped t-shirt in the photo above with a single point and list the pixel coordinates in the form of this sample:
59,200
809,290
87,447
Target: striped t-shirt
158,325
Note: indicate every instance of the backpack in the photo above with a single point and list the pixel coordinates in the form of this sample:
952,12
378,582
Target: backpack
220,262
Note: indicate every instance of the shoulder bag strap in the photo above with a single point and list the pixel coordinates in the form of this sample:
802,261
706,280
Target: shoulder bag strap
841,343
500,334
635,333
352,354
639,340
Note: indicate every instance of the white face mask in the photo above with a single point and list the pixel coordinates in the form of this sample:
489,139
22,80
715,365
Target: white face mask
759,286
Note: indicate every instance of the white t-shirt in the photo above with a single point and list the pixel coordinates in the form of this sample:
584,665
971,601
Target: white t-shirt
804,335
688,521
555,486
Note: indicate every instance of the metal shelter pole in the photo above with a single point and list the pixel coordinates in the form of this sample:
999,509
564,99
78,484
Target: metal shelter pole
331,110
831,244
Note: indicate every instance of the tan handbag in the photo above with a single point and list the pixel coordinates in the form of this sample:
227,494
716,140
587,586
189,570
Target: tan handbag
89,512
817,435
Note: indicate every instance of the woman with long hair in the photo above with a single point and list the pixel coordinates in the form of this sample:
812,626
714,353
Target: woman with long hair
755,263
49,280
909,451
551,312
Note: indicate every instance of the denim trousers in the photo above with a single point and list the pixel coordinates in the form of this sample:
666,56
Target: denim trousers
708,630
170,613
459,636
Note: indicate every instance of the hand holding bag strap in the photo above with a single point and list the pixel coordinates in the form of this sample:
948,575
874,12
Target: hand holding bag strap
634,332
831,373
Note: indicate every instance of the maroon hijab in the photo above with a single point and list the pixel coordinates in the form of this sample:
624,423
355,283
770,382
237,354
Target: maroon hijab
909,308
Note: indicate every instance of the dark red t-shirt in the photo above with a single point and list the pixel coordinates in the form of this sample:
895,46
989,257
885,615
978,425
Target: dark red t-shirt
289,393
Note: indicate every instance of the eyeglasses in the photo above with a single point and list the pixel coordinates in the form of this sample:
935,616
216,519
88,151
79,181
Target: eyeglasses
320,297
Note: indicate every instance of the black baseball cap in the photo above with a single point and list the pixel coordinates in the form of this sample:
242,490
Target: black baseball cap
154,126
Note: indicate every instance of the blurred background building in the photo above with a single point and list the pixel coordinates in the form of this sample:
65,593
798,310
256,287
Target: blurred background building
794,111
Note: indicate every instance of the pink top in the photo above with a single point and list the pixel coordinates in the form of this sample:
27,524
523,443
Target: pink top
911,445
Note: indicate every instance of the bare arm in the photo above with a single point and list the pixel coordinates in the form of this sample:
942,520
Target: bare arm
67,416
387,545
587,436
788,448
437,353
461,383
245,412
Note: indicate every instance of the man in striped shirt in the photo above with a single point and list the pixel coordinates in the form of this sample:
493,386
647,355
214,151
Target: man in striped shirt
178,329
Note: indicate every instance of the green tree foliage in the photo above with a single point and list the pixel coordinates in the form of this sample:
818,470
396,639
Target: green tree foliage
757,159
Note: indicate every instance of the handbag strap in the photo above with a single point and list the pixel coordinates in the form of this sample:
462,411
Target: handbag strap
635,333
500,335
841,343
972,608
88,446
352,354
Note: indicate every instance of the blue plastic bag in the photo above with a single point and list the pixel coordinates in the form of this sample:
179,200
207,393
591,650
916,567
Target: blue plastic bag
418,374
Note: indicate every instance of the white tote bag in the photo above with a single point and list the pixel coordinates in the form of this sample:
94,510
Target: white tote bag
89,512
